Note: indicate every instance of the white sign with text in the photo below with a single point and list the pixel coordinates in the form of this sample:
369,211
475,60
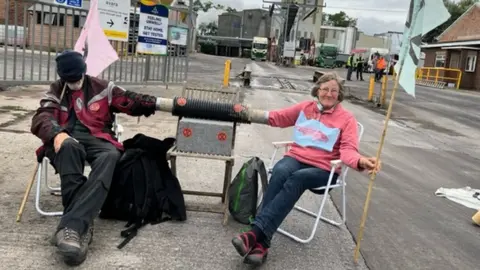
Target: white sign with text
115,18
153,30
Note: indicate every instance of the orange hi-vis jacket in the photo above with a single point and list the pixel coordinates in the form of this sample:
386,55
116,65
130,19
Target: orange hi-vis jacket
381,64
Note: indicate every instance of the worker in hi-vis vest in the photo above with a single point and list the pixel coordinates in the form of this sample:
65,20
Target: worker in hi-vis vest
350,67
381,66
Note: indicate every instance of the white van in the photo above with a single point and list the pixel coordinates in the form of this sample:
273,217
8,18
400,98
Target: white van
371,52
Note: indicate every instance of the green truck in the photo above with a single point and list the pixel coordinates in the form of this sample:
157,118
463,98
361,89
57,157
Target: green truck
259,48
325,55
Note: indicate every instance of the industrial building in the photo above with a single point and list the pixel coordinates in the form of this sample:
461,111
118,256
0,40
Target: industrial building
237,29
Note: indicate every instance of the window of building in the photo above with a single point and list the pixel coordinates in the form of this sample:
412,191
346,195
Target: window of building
322,36
440,59
305,34
50,18
471,62
334,34
79,21
277,32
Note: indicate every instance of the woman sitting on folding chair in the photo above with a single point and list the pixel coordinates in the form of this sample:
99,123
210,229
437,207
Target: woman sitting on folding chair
323,131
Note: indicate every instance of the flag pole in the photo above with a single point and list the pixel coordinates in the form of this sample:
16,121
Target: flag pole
374,173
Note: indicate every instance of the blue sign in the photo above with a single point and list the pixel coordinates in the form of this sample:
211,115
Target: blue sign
69,3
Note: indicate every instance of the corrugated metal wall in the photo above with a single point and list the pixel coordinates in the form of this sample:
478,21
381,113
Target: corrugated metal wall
256,22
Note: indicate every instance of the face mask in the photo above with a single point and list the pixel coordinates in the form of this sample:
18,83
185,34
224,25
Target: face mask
76,85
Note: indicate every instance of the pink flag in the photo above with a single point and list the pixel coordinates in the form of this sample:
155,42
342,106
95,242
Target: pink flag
94,45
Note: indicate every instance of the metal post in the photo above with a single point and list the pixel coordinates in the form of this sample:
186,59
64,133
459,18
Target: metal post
189,36
371,88
241,25
295,35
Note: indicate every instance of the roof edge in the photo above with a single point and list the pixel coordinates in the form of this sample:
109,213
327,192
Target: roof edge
459,19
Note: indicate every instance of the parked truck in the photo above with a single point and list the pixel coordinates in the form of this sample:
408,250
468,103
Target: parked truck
325,55
259,48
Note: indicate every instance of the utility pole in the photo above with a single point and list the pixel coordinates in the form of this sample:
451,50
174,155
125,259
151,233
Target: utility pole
284,35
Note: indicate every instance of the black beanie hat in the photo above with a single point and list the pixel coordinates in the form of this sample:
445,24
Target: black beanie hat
71,66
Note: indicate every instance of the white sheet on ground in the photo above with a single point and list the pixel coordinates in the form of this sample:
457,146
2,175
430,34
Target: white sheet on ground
465,196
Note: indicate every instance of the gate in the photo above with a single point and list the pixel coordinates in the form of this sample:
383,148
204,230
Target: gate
34,32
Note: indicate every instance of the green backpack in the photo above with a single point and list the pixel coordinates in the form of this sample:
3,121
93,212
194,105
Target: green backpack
244,190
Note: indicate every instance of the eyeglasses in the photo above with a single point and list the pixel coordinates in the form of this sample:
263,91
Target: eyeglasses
326,90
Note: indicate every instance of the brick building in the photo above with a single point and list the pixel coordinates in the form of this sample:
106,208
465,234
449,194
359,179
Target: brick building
458,48
11,10
53,28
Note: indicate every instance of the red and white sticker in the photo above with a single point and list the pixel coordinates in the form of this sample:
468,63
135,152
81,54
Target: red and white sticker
94,107
222,136
181,101
238,108
187,132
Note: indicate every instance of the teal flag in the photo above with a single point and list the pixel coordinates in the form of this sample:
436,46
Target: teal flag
423,16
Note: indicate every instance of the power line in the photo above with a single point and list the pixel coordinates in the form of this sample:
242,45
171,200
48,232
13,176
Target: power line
368,9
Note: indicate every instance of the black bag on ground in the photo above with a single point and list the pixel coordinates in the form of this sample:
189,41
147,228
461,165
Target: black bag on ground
144,189
243,191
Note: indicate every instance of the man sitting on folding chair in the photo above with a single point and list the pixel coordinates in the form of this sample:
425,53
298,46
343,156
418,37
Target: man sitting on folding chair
323,131
74,122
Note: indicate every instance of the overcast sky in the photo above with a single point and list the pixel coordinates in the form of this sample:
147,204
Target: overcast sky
374,16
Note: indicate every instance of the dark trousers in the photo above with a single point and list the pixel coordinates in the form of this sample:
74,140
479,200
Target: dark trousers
290,178
360,73
349,73
83,197
378,74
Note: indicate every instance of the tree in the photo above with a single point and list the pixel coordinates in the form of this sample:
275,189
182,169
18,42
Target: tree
456,10
208,29
212,29
206,6
340,19
230,10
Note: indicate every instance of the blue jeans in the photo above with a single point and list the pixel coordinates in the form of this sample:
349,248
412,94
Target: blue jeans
290,179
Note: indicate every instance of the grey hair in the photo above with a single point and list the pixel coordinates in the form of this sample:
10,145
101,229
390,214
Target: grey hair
331,76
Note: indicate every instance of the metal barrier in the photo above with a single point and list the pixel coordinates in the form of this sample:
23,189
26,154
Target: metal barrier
437,76
34,32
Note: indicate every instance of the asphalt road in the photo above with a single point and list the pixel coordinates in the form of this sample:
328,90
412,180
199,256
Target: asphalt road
432,141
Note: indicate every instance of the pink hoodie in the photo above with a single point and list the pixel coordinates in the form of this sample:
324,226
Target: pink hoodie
345,149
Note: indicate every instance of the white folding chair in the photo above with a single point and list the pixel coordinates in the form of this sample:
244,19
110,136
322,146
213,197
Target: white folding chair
341,183
43,169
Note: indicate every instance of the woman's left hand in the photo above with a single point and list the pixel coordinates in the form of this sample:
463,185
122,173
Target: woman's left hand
370,164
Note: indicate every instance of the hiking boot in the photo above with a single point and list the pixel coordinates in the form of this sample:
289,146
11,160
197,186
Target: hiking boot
68,242
85,241
244,242
257,256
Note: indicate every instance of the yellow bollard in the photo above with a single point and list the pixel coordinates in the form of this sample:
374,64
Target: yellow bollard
383,93
226,73
371,88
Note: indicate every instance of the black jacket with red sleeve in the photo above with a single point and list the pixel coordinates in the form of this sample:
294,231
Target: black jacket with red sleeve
94,106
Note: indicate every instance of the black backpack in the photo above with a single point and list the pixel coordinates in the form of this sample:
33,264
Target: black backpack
143,189
244,190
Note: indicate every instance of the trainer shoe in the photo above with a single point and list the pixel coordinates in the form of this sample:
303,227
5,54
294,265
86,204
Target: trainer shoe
257,256
244,242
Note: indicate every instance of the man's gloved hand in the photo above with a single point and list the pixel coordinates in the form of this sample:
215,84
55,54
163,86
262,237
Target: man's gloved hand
59,139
